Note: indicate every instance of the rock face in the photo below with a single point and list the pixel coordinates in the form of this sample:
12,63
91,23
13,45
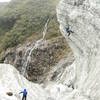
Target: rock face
12,82
83,18
42,59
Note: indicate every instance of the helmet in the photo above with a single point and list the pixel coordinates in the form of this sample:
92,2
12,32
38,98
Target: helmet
24,89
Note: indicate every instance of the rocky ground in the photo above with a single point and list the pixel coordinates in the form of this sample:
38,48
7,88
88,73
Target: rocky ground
42,60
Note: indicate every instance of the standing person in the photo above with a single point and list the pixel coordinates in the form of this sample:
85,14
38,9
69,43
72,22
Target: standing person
24,94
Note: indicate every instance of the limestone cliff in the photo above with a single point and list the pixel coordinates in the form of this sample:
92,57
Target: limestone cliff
83,18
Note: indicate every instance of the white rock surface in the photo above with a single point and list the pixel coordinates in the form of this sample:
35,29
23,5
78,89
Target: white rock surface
12,81
83,16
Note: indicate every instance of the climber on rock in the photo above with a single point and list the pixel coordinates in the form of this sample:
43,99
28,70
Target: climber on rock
68,30
24,94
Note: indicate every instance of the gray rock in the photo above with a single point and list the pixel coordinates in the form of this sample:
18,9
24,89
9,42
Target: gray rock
83,17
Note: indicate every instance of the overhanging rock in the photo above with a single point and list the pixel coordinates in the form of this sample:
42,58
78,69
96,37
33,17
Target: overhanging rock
83,18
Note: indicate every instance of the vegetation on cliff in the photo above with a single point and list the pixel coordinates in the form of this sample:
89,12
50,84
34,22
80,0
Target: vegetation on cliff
24,20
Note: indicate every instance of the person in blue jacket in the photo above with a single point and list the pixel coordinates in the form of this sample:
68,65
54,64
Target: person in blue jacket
68,30
24,94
